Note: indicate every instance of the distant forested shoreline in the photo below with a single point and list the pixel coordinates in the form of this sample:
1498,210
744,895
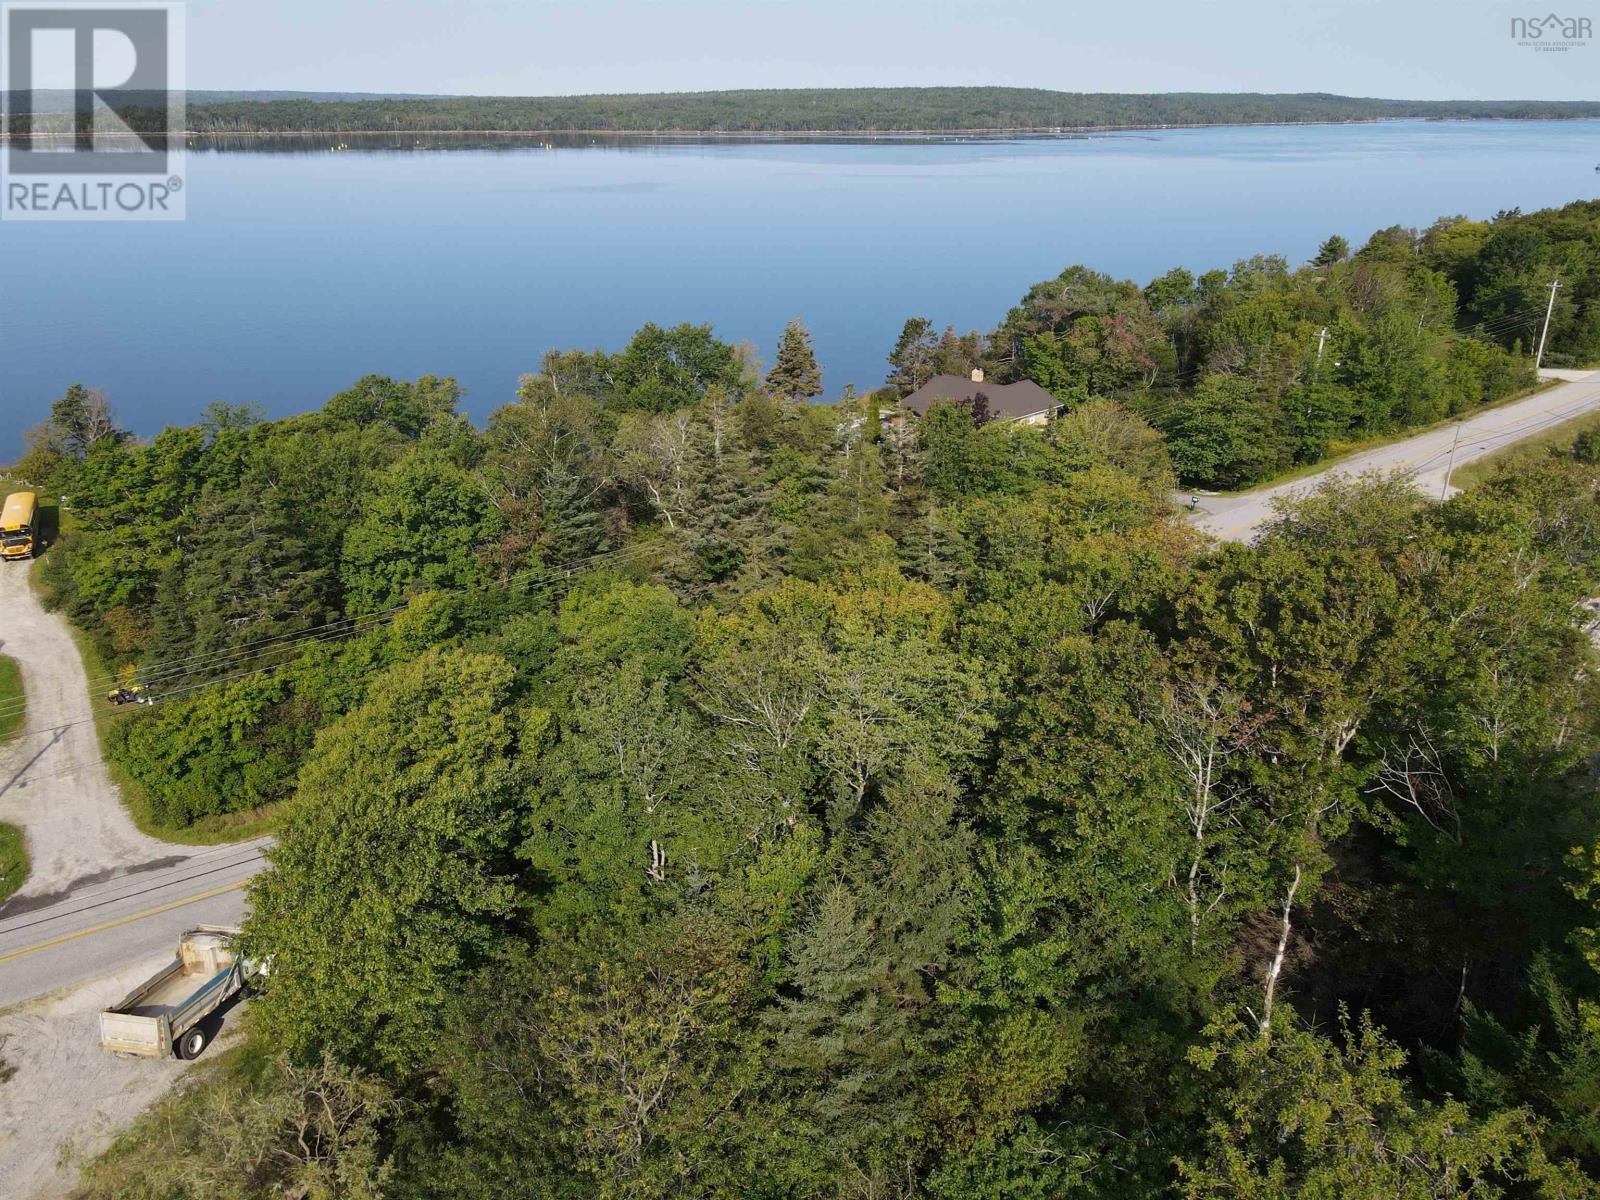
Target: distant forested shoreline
815,110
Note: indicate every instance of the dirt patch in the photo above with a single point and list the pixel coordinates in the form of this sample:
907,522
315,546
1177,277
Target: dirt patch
66,1098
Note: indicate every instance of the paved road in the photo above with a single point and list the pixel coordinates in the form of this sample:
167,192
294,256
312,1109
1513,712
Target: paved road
102,908
53,942
99,893
1424,457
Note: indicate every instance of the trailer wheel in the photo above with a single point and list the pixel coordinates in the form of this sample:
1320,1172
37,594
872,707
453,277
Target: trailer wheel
192,1043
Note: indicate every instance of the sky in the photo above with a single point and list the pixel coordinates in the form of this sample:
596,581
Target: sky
1405,49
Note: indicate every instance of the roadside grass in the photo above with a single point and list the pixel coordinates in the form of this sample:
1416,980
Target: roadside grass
13,846
1339,451
203,1129
1555,439
13,702
211,831
13,860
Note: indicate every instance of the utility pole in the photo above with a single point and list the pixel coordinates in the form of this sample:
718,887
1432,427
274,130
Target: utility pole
1549,308
1451,465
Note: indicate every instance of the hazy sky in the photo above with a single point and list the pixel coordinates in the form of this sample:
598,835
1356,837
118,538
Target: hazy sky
1412,49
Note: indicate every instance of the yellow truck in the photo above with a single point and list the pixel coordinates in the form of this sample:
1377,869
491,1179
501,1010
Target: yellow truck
19,526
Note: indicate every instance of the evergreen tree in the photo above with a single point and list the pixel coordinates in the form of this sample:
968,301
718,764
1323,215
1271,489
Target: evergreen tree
246,574
1335,250
795,374
911,360
919,354
842,1036
1299,1115
81,418
957,455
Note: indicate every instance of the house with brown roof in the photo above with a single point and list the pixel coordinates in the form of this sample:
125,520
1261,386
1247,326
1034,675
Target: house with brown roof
1025,401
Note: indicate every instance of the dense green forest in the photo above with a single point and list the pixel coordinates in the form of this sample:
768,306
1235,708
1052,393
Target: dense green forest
1255,370
845,110
685,788
62,100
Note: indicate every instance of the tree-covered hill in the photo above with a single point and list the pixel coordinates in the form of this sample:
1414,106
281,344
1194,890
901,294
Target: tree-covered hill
847,110
685,788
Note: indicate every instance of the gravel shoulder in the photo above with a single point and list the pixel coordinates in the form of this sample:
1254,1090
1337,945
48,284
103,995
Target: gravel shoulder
66,1098
61,1097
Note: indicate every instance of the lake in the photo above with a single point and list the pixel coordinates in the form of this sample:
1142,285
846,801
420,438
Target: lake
302,267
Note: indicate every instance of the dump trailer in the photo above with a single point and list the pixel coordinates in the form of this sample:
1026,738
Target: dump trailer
19,526
162,1017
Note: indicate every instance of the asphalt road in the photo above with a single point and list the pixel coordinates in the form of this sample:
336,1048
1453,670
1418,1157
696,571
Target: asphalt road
1425,457
99,894
53,942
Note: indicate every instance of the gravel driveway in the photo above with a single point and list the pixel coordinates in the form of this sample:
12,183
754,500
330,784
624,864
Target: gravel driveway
66,1097
53,784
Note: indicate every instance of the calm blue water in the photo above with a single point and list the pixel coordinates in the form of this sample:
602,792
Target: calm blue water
298,272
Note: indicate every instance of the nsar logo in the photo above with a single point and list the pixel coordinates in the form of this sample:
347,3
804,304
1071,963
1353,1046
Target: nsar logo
1551,32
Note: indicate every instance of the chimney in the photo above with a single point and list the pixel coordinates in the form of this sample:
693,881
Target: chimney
977,374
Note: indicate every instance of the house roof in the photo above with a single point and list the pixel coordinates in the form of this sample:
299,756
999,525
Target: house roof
1007,401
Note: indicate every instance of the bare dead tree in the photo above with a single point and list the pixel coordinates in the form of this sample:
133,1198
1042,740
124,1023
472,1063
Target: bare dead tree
1414,774
762,699
657,456
1203,727
647,740
98,420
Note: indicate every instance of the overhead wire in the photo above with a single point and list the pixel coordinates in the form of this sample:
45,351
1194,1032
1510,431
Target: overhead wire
331,632
1495,328
183,666
56,730
167,673
166,667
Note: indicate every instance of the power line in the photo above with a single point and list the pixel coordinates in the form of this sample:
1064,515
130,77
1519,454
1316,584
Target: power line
220,659
349,627
1527,318
201,661
172,671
